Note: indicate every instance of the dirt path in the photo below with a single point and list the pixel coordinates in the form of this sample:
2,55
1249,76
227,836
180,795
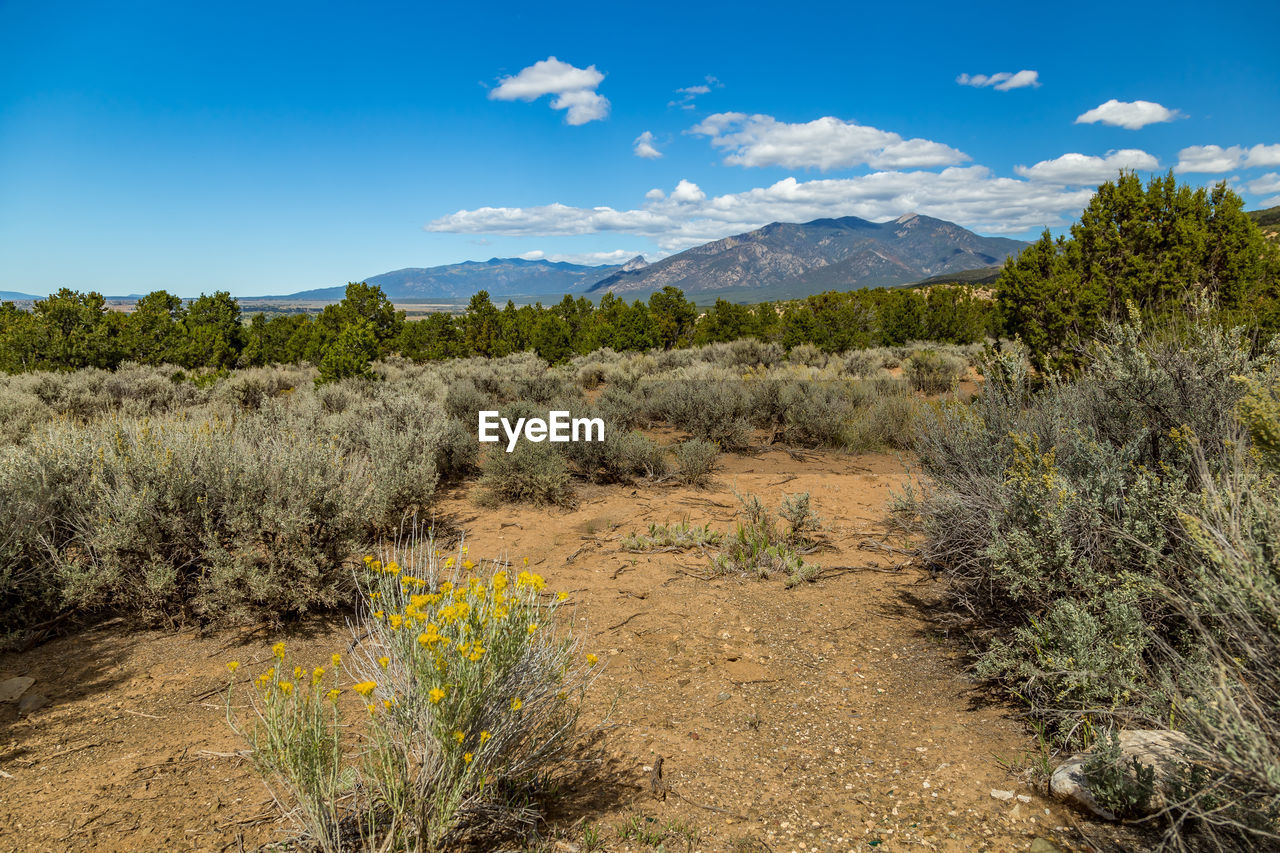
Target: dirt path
826,717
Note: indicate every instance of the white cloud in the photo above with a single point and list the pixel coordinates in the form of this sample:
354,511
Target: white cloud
644,147
1131,115
1086,168
824,143
1209,158
1263,155
970,196
574,89
1002,81
1215,158
655,194
591,259
1267,184
687,192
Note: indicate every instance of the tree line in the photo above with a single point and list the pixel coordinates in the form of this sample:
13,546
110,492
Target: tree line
1164,250
71,330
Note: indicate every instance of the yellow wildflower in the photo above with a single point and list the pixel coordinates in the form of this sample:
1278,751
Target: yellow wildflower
526,561
317,674
533,626
468,565
233,665
364,688
592,660
561,596
337,659
383,661
297,672
459,736
484,737
286,687
516,704
333,694
278,650
372,709
436,695
468,757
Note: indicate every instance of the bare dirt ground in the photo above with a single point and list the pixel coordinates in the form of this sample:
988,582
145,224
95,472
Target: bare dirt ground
828,717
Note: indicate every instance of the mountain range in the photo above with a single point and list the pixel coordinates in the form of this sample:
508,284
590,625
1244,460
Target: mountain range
789,259
502,277
780,260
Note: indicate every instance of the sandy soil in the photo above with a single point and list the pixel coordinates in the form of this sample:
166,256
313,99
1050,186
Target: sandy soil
827,717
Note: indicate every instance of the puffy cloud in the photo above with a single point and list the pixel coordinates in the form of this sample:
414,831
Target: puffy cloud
687,192
644,147
824,143
655,194
1001,81
573,87
970,195
1263,155
1128,114
1086,168
1215,158
1267,184
1209,158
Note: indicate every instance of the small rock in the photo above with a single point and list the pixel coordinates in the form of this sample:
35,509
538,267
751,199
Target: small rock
1023,798
1001,795
563,846
31,703
724,696
11,689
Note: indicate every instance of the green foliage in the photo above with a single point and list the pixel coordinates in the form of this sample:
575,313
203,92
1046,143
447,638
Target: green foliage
352,354
1164,249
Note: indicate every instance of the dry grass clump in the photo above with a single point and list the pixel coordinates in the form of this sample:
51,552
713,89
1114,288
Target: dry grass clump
469,684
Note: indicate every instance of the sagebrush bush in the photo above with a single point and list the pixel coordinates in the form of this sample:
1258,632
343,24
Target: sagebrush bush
706,405
469,685
933,372
531,473
1054,508
695,461
622,456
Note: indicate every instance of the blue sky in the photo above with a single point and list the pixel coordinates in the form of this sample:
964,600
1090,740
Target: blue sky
274,147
